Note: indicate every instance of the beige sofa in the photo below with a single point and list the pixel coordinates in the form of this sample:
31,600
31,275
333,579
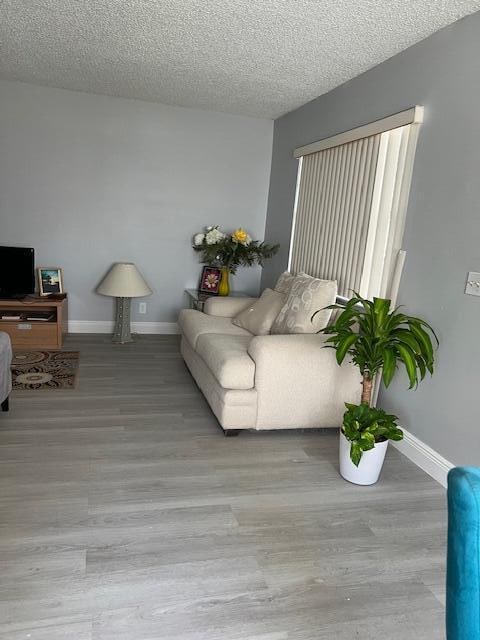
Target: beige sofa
263,382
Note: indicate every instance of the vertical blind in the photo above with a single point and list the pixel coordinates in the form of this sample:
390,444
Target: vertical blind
352,194
389,206
333,212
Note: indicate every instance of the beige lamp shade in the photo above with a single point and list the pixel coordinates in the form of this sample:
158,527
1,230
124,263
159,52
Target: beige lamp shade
124,280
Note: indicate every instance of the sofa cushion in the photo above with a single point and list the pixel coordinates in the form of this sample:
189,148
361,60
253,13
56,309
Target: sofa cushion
195,323
260,315
226,306
284,283
227,358
307,295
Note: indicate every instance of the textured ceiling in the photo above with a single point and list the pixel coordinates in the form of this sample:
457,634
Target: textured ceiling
253,57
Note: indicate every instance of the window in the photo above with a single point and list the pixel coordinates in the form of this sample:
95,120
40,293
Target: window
350,205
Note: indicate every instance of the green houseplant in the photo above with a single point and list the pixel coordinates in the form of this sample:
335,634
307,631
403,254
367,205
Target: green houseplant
378,339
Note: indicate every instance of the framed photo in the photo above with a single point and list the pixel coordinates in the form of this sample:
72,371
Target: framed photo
210,280
50,280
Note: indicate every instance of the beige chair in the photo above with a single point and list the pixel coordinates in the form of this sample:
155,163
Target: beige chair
264,382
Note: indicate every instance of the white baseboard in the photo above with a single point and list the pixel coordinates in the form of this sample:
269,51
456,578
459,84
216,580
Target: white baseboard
106,326
88,326
424,457
155,327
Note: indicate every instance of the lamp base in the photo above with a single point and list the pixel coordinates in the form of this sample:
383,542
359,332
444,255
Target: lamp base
121,332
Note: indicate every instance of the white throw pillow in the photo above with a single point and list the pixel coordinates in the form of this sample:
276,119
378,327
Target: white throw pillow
259,317
307,295
284,283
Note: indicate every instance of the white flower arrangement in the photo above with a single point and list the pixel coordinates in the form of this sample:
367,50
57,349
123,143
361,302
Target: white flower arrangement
231,250
213,235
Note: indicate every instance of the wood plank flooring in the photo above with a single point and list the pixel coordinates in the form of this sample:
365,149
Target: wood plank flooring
125,514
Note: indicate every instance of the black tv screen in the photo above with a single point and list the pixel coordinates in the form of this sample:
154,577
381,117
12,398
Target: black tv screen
17,271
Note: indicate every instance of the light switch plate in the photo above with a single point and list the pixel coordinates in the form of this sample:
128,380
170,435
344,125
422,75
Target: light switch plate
472,288
142,307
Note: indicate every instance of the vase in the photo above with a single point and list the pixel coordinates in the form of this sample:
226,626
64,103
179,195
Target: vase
224,286
369,467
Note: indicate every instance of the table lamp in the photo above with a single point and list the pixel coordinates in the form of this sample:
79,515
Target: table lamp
124,282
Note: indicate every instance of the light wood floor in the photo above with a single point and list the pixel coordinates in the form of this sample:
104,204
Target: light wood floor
125,514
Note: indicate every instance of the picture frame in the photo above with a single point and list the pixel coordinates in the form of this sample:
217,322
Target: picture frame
50,280
210,280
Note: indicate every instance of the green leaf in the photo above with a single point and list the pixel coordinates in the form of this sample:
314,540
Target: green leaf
405,336
382,432
350,432
424,340
367,441
408,358
421,366
389,366
355,453
422,323
381,307
333,339
344,346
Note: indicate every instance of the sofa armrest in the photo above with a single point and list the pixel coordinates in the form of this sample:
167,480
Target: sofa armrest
299,383
226,307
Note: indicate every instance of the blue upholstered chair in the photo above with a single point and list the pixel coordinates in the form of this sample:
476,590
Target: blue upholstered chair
463,557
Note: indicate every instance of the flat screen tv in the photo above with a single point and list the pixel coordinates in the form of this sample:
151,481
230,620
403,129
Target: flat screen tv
17,272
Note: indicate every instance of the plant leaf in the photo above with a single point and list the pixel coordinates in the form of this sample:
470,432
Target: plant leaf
355,453
409,339
344,345
367,441
424,339
421,366
408,358
389,366
423,323
381,307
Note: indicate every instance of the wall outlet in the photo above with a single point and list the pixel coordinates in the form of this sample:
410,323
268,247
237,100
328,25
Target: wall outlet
142,307
472,288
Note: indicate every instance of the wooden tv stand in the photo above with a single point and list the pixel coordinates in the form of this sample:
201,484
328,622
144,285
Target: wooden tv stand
27,333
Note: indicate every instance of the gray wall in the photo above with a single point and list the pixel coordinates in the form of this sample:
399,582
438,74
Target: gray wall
442,236
89,180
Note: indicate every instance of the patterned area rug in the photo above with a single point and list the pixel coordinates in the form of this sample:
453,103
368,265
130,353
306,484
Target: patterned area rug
44,369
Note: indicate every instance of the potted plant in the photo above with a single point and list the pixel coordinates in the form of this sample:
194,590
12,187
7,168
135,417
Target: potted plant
377,340
230,251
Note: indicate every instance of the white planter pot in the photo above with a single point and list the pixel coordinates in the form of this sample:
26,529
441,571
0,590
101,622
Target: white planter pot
369,467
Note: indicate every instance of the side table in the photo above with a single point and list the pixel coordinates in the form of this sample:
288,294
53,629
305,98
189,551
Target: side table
197,299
